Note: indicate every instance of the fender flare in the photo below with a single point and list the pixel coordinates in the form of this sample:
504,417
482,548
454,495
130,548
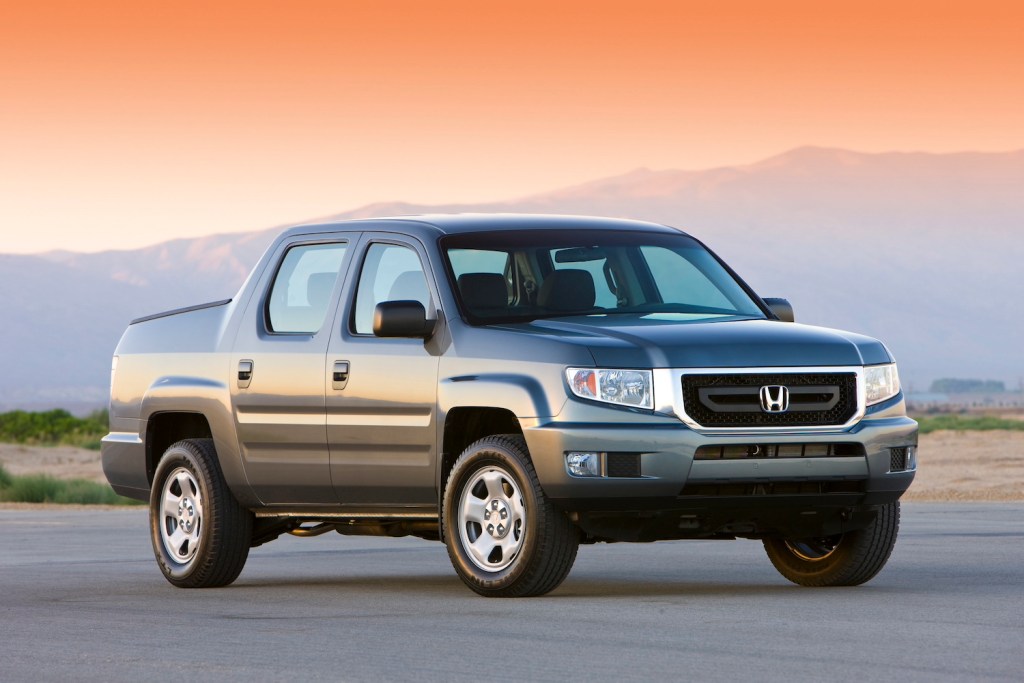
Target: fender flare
522,395
212,400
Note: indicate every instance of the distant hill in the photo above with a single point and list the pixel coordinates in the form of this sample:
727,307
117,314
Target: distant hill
923,250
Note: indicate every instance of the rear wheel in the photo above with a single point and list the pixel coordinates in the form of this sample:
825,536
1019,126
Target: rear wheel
848,559
504,538
200,534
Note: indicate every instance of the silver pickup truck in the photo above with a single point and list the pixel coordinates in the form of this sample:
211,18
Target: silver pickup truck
512,386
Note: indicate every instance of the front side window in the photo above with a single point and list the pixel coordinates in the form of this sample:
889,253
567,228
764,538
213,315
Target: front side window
391,272
301,293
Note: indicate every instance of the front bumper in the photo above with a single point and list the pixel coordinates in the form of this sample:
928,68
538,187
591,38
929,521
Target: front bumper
667,463
679,496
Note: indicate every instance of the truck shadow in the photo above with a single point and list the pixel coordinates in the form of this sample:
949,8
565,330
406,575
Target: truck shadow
590,588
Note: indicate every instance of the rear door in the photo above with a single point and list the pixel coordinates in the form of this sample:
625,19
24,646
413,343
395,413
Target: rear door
278,369
381,419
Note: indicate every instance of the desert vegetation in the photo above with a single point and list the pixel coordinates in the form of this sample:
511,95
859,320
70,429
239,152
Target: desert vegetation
967,423
44,488
53,428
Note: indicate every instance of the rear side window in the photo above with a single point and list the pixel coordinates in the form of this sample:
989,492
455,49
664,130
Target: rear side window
302,288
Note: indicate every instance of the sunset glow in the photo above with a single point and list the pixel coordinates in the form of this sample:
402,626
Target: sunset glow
127,123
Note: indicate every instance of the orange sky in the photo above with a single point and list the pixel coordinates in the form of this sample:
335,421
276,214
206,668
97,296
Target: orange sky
126,123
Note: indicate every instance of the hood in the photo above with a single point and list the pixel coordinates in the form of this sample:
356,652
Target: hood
639,342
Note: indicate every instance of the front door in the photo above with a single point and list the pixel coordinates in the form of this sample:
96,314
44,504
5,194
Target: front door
277,373
381,414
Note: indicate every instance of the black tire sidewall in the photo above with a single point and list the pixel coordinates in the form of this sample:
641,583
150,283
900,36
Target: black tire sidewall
858,557
481,457
179,456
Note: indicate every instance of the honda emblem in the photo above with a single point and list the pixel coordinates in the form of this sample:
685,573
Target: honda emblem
774,398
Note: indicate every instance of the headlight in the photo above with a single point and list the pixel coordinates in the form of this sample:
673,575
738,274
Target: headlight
881,382
621,387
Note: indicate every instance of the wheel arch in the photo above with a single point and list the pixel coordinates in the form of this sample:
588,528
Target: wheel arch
166,428
177,408
466,424
484,404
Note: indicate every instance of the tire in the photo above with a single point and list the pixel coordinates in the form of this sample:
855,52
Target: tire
200,533
848,559
504,538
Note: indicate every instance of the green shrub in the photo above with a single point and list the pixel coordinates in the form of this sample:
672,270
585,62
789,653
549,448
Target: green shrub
43,488
961,423
84,492
53,427
32,488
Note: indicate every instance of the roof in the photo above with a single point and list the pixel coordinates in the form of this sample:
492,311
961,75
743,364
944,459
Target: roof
450,224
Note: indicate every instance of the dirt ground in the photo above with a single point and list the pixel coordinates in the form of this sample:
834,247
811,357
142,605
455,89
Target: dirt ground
967,466
63,462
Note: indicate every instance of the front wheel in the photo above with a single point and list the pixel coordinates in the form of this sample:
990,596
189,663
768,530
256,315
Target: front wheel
200,534
504,538
848,559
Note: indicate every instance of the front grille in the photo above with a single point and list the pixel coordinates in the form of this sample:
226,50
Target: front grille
733,400
776,488
897,459
781,450
622,464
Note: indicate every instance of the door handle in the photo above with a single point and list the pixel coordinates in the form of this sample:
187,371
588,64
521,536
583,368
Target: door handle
244,373
340,377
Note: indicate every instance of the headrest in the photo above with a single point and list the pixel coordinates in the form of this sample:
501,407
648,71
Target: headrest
483,290
318,289
567,290
410,286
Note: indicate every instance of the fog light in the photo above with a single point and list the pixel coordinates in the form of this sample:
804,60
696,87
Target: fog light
911,457
583,464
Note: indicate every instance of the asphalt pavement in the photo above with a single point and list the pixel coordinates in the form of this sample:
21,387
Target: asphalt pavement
81,599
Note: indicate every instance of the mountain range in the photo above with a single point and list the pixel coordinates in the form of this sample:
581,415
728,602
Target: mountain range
925,251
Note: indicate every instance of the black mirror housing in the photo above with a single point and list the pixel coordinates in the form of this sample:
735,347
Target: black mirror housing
402,319
782,309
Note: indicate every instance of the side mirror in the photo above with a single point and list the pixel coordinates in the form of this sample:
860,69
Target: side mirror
402,319
782,309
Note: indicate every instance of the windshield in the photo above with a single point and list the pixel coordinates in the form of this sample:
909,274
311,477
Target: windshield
531,274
